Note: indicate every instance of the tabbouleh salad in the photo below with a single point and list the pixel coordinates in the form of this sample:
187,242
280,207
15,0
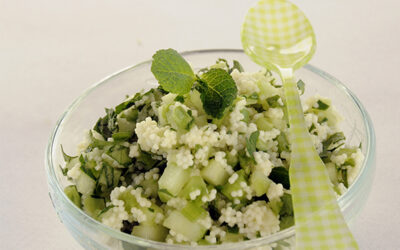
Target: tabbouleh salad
203,158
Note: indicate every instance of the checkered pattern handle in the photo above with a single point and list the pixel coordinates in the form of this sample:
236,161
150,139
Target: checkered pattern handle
319,222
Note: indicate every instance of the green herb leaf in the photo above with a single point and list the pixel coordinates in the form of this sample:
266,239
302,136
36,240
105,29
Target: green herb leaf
321,105
172,71
251,143
180,99
233,230
128,103
334,141
280,175
273,101
236,65
301,86
106,125
67,158
217,91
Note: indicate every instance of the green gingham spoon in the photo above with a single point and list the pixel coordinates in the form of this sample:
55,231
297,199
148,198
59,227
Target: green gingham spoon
277,35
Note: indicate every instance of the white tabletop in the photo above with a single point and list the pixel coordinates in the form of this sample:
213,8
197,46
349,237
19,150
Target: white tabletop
50,51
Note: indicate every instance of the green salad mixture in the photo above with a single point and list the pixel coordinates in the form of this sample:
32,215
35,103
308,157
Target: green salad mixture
203,158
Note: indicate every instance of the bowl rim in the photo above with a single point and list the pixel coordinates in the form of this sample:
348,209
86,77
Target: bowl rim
368,164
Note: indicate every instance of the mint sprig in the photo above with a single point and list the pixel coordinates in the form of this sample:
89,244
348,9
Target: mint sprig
172,71
217,91
217,88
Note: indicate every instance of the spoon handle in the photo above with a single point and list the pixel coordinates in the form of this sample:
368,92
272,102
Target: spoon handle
319,221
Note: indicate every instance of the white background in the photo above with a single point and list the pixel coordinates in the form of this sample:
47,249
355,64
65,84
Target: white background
50,51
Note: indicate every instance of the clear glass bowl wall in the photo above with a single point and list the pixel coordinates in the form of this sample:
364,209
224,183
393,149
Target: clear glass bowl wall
85,110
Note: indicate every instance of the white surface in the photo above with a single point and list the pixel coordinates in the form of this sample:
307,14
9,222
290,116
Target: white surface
50,51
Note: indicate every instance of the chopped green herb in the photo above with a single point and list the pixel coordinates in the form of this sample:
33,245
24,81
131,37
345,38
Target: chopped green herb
273,101
287,205
128,103
106,125
180,98
321,105
217,91
251,143
312,127
280,175
234,229
67,158
334,141
236,65
301,86
172,71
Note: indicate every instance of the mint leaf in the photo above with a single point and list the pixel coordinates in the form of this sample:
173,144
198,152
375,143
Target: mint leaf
321,105
172,71
301,86
217,91
280,175
251,143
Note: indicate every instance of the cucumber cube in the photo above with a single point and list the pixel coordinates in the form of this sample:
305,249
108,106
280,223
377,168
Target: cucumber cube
259,183
73,195
194,183
214,173
93,206
180,224
228,188
151,232
173,179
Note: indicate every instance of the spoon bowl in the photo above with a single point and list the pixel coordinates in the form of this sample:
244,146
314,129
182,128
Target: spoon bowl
277,35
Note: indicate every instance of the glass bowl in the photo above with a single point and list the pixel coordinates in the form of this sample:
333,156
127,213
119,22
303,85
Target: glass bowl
84,111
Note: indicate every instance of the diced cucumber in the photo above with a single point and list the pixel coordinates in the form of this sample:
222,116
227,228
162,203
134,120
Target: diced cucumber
121,155
164,195
286,222
179,118
72,193
107,211
93,206
276,205
180,224
151,232
194,100
228,188
214,173
151,213
129,200
85,184
259,182
173,179
232,159
193,212
232,237
151,187
201,120
194,183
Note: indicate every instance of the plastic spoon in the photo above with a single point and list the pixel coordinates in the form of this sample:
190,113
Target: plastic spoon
277,35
